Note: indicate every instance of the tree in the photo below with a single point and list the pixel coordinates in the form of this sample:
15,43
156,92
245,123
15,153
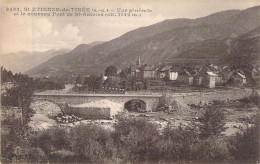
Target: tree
212,122
78,80
19,94
94,82
14,135
6,76
111,71
124,73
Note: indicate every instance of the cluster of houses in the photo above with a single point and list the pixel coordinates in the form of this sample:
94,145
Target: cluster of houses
142,76
208,75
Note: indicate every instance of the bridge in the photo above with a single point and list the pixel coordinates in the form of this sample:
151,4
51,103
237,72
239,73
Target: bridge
151,102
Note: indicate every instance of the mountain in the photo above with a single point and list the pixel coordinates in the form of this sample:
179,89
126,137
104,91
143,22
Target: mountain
162,42
23,61
54,64
245,48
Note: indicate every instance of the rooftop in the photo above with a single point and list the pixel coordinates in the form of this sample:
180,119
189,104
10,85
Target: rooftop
241,75
166,68
152,67
211,74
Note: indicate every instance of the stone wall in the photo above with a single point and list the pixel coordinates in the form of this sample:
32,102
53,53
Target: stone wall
195,98
89,112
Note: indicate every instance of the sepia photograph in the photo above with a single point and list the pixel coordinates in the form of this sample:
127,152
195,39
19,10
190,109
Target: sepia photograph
130,81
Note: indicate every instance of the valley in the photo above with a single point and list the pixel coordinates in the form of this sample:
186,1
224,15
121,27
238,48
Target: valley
184,90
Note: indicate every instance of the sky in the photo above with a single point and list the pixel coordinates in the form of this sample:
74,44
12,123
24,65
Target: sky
42,33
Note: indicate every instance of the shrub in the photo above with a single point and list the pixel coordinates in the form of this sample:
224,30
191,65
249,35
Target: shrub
28,155
184,145
49,140
212,122
246,100
175,145
88,142
63,155
83,143
255,98
218,102
245,146
136,139
14,135
36,155
209,150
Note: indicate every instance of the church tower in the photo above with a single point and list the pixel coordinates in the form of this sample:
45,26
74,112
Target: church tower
138,61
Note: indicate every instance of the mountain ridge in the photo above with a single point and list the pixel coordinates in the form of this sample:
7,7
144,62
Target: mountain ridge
22,61
161,41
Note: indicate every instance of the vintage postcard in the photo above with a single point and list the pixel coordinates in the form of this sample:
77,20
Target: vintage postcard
130,81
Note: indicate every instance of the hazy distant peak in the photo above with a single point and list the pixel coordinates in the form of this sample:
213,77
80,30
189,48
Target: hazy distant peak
22,61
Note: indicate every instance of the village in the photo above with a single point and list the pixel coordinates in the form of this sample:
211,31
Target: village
143,77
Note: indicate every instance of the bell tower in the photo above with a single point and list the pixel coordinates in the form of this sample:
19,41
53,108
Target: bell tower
138,61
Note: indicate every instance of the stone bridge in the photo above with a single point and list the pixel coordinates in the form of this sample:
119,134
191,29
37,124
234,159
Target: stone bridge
151,101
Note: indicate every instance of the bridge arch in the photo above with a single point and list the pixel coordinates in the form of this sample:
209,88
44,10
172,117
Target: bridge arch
63,106
135,105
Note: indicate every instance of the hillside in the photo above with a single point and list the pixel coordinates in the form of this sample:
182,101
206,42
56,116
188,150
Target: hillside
54,64
246,48
163,41
24,61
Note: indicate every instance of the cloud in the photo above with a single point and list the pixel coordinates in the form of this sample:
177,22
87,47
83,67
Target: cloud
38,35
41,28
45,36
70,34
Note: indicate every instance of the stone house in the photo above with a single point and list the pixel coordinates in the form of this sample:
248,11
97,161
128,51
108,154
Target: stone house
209,80
255,72
136,72
164,71
216,70
239,78
256,75
206,77
226,73
184,77
173,73
150,71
